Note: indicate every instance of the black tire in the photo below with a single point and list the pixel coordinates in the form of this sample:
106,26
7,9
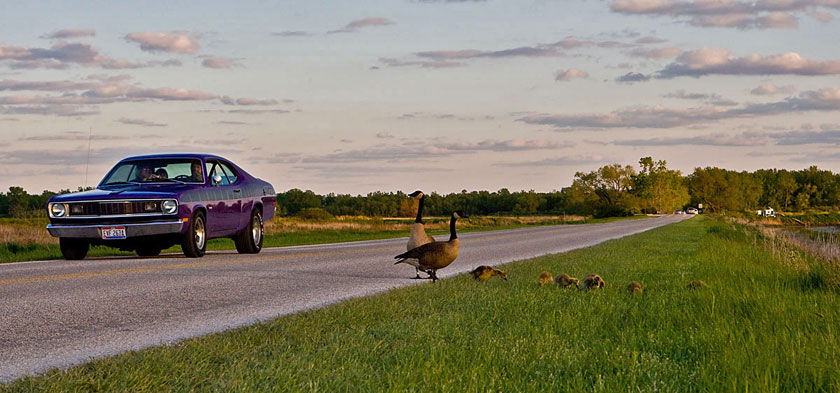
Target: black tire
250,241
194,242
73,249
148,250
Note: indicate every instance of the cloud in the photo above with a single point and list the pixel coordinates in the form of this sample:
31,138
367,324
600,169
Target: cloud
71,136
771,89
357,24
778,20
827,99
219,62
631,77
822,16
711,61
140,122
384,135
246,101
523,51
390,62
295,33
163,42
232,123
570,74
70,33
47,110
650,40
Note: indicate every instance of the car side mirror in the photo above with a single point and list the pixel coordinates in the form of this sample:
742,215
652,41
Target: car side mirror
217,179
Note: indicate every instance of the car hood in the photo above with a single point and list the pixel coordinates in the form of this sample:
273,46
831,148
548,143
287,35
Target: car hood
125,192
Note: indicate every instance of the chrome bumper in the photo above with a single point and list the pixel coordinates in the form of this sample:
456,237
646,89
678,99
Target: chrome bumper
131,230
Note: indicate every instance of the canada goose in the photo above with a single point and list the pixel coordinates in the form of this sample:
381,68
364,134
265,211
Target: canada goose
435,255
593,281
696,284
566,281
418,236
483,273
545,279
634,287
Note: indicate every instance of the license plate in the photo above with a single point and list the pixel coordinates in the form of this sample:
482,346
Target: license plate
111,233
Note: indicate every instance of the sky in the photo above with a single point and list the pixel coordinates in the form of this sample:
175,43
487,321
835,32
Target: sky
362,96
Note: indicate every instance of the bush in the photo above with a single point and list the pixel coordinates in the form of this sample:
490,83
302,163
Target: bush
314,214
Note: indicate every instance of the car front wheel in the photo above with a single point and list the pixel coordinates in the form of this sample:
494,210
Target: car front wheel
250,240
73,249
194,242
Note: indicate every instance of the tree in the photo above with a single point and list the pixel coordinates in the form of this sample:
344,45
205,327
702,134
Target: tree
658,188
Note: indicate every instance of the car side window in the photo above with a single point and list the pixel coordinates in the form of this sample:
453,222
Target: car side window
232,175
213,169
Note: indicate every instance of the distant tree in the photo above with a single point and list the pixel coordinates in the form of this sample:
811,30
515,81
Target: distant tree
658,188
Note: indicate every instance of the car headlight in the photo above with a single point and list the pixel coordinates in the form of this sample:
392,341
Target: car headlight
58,209
169,206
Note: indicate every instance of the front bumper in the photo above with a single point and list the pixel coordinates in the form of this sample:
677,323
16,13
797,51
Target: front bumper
89,231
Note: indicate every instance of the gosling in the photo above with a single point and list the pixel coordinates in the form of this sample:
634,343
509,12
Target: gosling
566,281
634,287
593,281
483,273
696,284
545,279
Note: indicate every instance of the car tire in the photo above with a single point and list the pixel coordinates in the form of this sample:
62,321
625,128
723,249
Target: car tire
250,240
194,242
73,249
148,250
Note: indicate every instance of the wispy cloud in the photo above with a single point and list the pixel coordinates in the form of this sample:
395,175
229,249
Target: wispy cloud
291,33
827,99
413,150
572,73
631,77
70,33
164,42
579,160
357,24
771,89
220,62
140,122
766,14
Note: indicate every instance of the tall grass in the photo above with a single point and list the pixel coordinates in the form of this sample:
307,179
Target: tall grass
758,326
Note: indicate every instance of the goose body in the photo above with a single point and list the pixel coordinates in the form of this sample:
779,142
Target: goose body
435,255
418,236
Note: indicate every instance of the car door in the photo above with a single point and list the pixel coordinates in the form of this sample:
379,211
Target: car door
235,203
221,214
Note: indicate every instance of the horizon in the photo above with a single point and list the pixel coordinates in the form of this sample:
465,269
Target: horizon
430,95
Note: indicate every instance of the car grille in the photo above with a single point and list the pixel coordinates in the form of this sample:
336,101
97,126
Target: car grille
115,208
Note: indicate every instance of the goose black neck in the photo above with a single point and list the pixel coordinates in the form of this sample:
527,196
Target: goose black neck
452,234
419,218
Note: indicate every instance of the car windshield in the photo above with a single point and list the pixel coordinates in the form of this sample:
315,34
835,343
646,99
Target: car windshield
172,170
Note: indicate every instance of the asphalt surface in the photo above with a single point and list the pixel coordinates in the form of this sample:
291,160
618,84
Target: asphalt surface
62,313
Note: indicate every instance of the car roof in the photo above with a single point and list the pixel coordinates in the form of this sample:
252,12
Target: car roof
174,155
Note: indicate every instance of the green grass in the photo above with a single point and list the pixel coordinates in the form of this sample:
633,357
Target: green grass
760,326
32,251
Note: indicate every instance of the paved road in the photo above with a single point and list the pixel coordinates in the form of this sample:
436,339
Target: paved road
60,313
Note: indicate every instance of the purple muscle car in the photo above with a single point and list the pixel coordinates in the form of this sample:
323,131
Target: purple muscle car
149,203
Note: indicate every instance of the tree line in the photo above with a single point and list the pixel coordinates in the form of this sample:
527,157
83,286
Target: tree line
611,190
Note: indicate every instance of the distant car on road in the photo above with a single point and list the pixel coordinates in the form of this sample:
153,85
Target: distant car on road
679,212
149,203
691,210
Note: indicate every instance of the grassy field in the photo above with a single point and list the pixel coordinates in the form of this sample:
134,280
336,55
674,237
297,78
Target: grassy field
767,322
28,240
